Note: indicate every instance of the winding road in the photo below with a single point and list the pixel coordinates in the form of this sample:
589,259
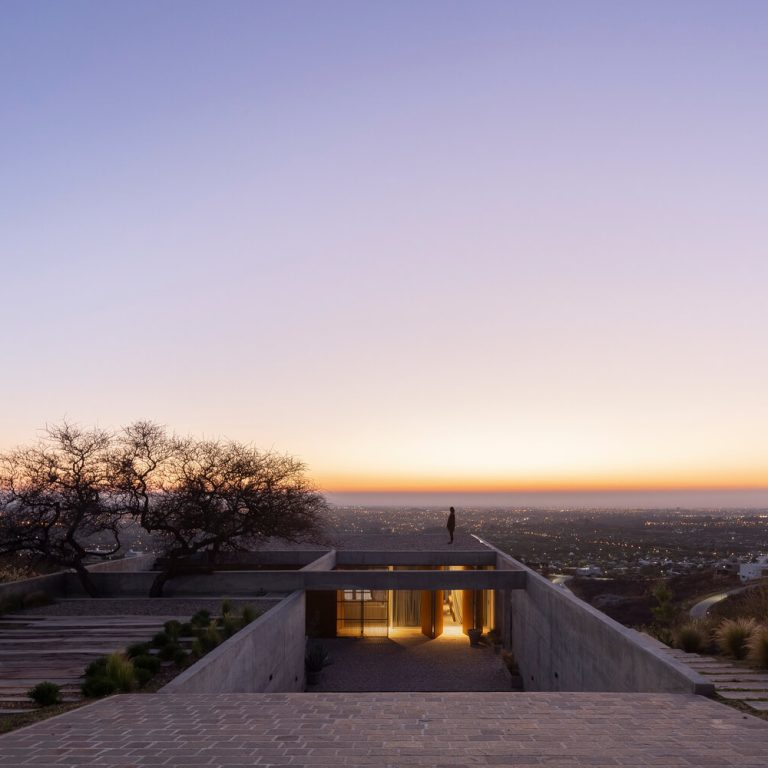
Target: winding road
700,609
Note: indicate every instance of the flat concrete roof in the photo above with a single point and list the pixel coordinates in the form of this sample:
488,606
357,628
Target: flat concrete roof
394,729
399,542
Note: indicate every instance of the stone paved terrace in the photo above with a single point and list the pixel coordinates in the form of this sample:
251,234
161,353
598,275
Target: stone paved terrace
393,729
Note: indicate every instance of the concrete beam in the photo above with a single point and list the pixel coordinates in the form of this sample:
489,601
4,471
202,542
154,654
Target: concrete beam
431,580
432,558
252,583
326,562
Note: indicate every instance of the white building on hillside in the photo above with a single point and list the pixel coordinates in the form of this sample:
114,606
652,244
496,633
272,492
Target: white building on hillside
756,570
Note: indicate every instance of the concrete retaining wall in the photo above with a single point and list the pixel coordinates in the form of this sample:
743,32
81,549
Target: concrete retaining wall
563,644
125,564
52,584
60,583
266,656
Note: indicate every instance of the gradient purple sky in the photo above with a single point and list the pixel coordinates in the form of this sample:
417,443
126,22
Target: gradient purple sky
478,245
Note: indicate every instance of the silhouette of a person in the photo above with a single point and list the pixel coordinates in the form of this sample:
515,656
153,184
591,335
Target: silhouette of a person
451,524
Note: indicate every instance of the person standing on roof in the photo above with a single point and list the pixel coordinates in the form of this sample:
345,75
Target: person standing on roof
451,524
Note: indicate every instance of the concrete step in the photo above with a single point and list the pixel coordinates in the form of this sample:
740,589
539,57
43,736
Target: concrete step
21,700
741,685
743,695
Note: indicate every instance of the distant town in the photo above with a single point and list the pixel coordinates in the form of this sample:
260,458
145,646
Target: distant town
594,542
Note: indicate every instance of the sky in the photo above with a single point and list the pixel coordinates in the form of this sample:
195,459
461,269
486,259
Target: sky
422,246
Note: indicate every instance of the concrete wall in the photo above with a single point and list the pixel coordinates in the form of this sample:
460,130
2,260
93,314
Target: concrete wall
125,564
563,644
265,656
58,584
52,584
251,583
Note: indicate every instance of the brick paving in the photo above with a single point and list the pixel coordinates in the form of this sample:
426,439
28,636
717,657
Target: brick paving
393,729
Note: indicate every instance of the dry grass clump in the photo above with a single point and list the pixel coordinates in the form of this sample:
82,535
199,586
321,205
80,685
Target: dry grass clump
692,637
733,636
758,647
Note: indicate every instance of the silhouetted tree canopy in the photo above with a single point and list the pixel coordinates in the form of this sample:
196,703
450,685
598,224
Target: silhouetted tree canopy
55,499
211,496
196,497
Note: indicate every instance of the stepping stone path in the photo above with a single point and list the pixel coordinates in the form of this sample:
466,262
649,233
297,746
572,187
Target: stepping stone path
58,649
731,681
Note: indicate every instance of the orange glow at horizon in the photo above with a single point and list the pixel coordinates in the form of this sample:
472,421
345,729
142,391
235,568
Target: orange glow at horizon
339,483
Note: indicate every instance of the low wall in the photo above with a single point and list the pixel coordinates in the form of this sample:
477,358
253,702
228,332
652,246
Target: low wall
266,656
61,583
125,564
52,584
563,644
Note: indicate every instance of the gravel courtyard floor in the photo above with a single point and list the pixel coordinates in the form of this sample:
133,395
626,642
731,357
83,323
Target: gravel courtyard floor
411,663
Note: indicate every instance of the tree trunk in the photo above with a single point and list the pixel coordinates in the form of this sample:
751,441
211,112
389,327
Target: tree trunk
85,579
156,590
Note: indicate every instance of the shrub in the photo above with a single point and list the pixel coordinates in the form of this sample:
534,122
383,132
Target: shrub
96,686
758,647
691,637
186,629
231,625
180,657
733,635
143,676
161,639
210,637
197,649
664,611
11,604
316,657
227,606
121,672
249,614
662,634
172,628
137,649
510,662
45,694
201,619
97,667
167,652
35,599
150,663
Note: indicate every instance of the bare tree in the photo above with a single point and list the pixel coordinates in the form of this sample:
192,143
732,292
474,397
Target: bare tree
212,496
55,501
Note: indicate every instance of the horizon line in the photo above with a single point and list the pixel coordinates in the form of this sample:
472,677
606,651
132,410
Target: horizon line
538,490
